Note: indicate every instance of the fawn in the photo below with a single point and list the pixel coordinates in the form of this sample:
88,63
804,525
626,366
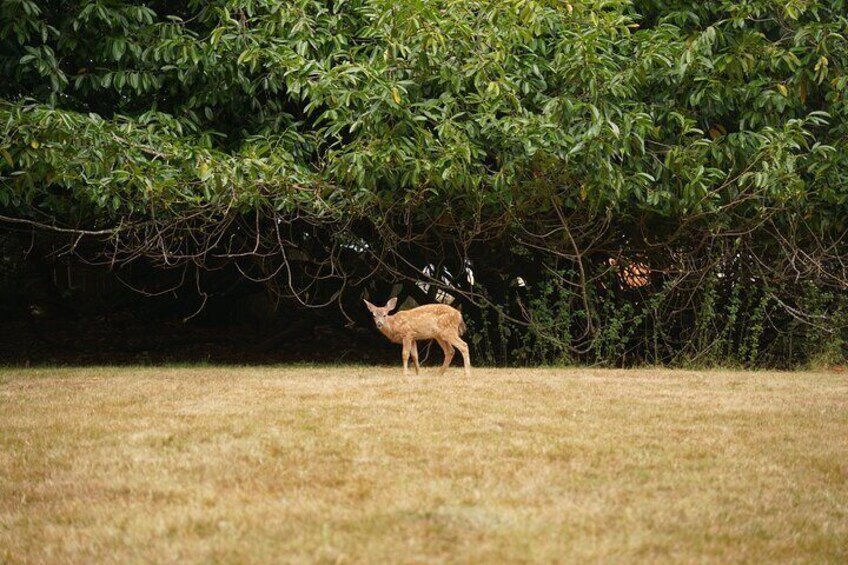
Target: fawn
431,321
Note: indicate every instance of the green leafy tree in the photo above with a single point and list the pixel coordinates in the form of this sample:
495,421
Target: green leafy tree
320,145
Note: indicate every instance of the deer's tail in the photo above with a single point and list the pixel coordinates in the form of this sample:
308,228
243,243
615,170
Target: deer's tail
462,327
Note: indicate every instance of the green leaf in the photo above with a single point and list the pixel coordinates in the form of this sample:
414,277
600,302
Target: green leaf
7,156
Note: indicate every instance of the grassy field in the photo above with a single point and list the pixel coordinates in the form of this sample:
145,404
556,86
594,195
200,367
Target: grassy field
361,465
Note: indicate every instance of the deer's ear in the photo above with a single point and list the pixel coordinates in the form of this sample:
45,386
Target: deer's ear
390,305
370,306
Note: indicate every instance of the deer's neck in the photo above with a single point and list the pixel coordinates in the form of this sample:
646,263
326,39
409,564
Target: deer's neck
390,329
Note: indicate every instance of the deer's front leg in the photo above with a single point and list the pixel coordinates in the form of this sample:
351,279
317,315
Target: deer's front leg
415,355
407,345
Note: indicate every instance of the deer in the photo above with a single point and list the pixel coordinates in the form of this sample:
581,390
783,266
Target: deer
430,321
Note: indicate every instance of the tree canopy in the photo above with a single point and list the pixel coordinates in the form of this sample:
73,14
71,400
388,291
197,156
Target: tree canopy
549,146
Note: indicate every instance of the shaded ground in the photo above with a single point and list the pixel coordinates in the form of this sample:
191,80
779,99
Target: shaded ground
93,342
76,315
361,465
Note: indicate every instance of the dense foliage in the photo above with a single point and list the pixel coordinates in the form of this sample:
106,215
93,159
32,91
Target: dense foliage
655,181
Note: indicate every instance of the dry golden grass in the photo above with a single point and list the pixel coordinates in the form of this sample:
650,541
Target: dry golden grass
360,465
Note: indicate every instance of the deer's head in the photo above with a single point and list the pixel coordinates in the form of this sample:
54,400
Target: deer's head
380,313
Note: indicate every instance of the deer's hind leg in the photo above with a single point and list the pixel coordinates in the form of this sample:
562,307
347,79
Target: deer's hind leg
449,351
457,342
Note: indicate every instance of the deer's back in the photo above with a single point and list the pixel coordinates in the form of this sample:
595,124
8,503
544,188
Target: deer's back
429,321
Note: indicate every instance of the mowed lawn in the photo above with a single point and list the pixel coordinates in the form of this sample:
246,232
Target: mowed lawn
357,464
